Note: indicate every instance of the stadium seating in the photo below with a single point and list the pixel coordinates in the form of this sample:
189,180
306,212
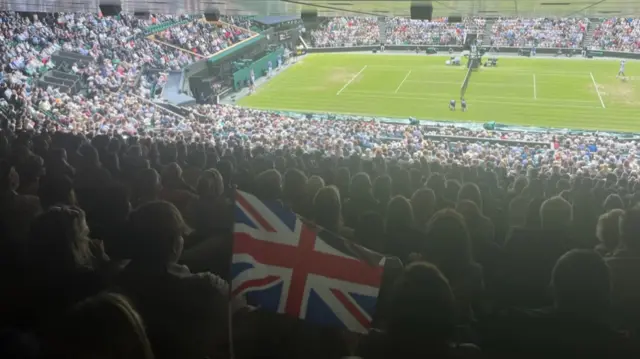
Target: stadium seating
343,31
420,32
543,32
201,37
122,222
617,34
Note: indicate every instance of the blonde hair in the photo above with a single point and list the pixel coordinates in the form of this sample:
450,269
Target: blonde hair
608,229
327,209
59,239
556,213
314,184
106,326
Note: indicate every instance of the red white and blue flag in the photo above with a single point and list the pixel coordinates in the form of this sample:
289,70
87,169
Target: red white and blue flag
284,265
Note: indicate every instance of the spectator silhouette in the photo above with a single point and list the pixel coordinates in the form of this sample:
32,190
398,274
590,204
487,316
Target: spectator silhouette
448,246
608,232
401,181
90,173
402,238
369,231
208,246
57,165
423,203
452,190
360,201
191,309
108,220
576,323
421,295
533,219
625,264
470,192
437,183
585,216
612,202
17,211
314,184
532,253
147,187
133,162
518,208
175,189
327,211
111,158
63,263
343,181
30,170
117,331
293,191
194,166
382,192
56,191
485,251
268,186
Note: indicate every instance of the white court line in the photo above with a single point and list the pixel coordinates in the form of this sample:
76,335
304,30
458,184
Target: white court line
418,95
403,80
350,81
597,89
506,71
535,92
487,101
457,83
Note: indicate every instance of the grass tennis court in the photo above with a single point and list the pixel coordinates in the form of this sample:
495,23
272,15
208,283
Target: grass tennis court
547,92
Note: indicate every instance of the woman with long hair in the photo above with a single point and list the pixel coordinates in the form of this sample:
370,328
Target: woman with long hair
382,191
327,211
147,187
422,319
175,189
402,238
63,263
104,326
423,203
482,234
360,201
448,246
313,185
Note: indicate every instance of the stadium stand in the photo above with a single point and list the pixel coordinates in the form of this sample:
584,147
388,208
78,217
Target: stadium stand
202,38
343,31
117,214
402,31
617,34
542,32
516,32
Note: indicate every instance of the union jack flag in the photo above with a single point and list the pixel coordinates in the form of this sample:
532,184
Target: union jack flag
282,264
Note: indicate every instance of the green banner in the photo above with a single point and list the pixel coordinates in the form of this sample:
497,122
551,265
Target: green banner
259,68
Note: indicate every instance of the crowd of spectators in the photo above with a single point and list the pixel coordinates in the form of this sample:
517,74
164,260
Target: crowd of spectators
203,38
520,32
115,78
541,32
146,221
617,34
116,226
404,31
347,31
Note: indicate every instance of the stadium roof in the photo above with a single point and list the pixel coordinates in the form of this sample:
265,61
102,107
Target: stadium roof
526,8
275,19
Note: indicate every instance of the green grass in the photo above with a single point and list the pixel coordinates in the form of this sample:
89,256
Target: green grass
542,92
